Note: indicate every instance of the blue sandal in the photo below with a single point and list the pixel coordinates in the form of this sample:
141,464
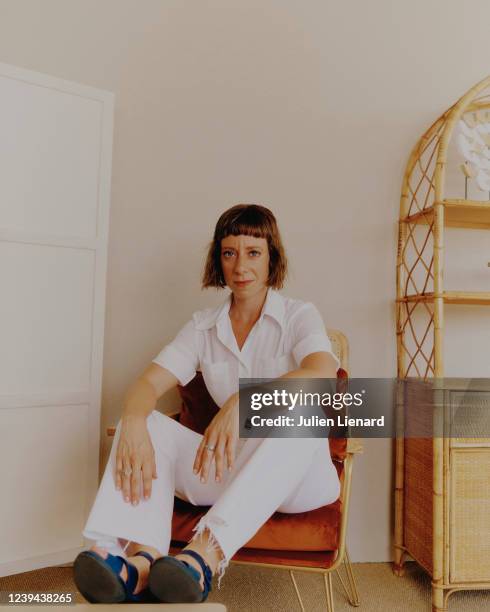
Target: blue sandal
98,579
175,581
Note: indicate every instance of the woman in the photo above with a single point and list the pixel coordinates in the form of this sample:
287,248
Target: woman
255,333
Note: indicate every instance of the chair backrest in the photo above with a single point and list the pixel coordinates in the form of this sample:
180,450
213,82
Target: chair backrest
340,347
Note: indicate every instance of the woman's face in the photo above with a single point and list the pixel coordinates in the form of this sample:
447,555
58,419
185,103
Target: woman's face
245,264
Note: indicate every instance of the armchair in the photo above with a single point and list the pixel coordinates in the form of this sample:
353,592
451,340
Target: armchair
311,541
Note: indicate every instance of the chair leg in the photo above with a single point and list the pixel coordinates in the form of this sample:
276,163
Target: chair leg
351,591
297,590
327,577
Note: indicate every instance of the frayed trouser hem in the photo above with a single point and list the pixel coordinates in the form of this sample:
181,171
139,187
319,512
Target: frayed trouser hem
213,543
113,543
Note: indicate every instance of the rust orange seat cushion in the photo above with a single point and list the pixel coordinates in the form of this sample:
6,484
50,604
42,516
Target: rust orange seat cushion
316,530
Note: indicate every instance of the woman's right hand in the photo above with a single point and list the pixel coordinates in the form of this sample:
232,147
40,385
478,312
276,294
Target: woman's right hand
135,459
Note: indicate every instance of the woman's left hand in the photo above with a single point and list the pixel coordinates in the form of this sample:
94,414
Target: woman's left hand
222,435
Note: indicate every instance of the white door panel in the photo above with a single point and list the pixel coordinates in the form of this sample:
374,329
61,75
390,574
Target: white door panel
49,159
55,165
48,450
45,318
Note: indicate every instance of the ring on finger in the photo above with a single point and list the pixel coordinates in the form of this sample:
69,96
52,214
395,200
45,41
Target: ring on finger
209,447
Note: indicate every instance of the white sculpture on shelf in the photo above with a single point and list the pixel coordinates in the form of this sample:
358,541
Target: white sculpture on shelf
474,144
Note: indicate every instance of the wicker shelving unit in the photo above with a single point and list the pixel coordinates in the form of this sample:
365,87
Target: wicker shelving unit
442,490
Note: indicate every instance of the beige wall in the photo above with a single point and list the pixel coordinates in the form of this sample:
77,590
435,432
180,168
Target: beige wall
309,107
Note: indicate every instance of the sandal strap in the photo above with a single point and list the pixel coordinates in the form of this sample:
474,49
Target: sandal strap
132,579
206,570
145,554
116,563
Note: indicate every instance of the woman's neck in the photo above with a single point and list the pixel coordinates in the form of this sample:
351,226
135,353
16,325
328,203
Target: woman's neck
247,310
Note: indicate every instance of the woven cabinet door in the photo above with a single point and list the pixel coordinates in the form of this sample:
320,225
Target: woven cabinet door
469,515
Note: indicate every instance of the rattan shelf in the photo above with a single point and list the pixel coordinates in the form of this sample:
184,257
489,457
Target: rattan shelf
457,213
451,297
442,490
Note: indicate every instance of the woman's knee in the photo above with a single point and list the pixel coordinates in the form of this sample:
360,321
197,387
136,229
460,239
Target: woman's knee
160,426
169,425
307,498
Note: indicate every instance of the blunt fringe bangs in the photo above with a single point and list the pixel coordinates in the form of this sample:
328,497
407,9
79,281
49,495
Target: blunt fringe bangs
246,220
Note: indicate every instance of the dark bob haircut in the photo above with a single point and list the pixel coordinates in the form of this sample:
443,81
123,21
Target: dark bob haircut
246,220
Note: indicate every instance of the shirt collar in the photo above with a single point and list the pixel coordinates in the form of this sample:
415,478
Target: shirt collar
273,307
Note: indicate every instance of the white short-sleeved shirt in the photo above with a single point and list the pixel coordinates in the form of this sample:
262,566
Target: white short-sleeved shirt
286,332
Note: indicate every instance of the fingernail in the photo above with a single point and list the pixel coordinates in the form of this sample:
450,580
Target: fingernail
118,488
229,468
217,479
126,499
195,470
202,479
147,496
135,501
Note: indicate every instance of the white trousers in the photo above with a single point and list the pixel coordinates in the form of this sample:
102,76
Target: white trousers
269,474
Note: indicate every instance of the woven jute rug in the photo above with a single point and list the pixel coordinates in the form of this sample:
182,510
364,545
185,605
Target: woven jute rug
254,589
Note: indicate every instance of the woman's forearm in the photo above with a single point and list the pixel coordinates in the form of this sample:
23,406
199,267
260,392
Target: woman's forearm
315,365
308,373
140,400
